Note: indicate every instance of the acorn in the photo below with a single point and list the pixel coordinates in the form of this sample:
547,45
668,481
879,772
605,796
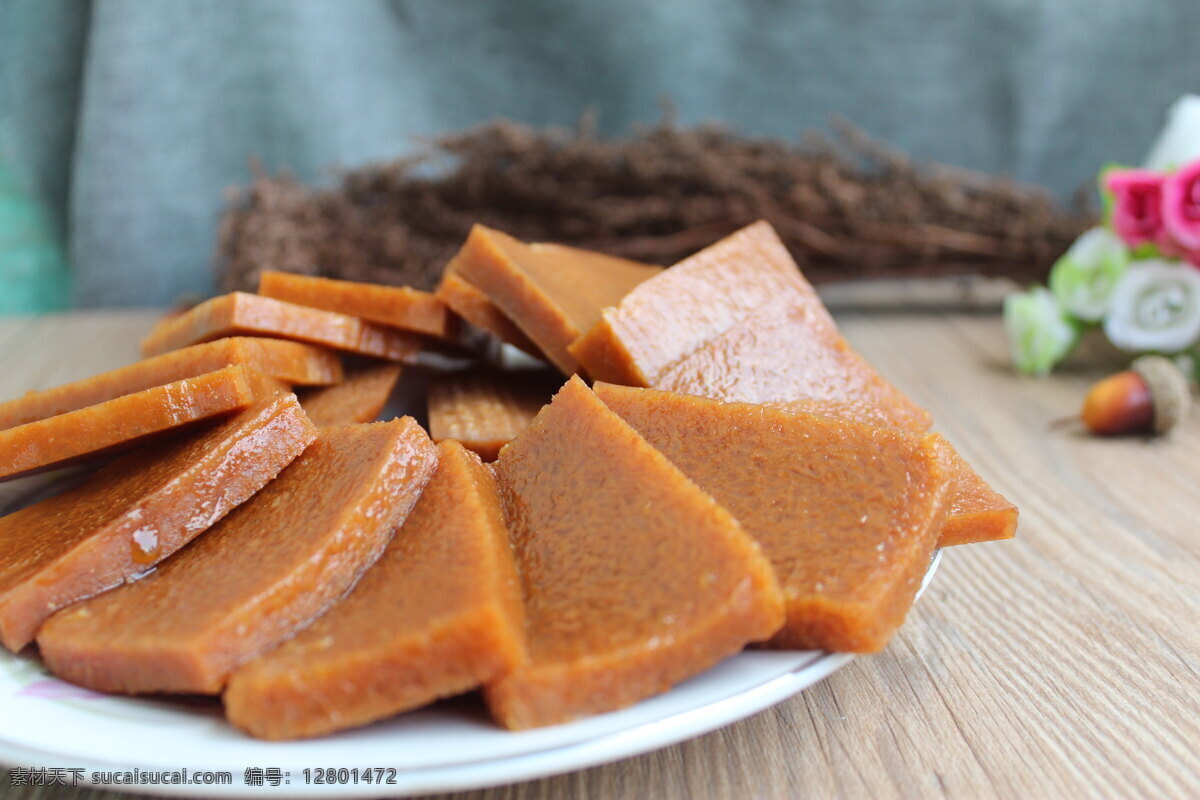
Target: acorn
1150,397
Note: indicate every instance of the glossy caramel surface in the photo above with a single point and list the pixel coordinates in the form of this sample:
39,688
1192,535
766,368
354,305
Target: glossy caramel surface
242,314
359,398
633,578
257,577
669,316
396,306
785,351
131,418
290,362
849,514
438,614
978,513
467,301
551,292
485,410
138,511
737,321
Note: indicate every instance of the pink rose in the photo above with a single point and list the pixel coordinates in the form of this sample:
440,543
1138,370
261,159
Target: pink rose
1181,206
1168,247
1137,210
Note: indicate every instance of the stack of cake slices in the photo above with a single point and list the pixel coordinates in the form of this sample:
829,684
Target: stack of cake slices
689,461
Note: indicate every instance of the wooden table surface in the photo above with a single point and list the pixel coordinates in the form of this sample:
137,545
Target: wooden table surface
1065,663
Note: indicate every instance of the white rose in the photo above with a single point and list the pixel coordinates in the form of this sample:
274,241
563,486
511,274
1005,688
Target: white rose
1179,141
1040,332
1084,278
1155,306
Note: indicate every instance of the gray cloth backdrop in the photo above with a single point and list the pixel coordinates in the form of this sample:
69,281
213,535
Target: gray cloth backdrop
128,118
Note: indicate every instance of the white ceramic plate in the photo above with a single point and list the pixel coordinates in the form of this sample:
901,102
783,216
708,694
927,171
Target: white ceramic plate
451,746
46,723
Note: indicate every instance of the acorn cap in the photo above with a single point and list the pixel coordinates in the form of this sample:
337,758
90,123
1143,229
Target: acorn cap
1169,393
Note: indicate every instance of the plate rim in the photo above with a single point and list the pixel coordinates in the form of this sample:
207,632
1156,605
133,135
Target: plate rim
501,770
595,751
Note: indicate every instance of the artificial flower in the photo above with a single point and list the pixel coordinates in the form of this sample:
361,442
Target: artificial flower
1083,279
1155,306
1040,332
1179,141
1136,204
1181,206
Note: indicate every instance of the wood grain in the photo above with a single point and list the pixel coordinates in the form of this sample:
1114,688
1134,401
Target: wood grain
1065,663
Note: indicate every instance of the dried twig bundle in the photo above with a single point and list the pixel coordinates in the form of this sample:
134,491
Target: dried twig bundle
847,208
